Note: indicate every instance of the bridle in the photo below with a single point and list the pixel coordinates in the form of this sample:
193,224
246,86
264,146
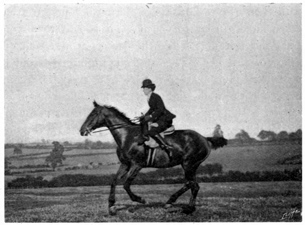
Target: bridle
115,126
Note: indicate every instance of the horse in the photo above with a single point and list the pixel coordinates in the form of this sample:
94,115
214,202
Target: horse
189,150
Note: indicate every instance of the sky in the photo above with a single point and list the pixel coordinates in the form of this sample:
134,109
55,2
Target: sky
237,65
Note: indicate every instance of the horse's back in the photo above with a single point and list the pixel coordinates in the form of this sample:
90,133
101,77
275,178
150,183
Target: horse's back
187,134
187,137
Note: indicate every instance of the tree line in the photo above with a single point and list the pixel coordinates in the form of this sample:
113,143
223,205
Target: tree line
265,135
242,136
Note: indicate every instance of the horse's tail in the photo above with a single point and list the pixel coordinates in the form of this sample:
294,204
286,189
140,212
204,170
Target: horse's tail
217,142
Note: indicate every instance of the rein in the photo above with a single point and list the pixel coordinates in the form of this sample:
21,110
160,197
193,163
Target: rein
116,126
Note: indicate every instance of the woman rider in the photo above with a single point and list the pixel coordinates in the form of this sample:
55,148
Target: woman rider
157,114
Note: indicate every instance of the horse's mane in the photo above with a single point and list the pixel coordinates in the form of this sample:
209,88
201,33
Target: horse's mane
119,113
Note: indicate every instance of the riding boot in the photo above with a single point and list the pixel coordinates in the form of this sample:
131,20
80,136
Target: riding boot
144,133
160,140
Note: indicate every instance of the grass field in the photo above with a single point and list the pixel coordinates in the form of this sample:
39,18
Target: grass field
216,202
256,158
236,158
73,156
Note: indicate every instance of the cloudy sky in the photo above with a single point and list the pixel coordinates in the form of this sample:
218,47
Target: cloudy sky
237,65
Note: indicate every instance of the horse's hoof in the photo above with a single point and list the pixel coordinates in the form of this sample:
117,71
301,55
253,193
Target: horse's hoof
131,210
168,206
142,201
112,210
188,209
174,210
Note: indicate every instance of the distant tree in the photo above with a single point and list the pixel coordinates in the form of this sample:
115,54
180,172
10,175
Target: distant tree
88,144
296,135
17,151
283,135
66,143
56,156
7,165
267,135
299,133
97,145
243,135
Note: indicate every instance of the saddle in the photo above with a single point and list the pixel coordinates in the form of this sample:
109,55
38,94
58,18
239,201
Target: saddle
152,143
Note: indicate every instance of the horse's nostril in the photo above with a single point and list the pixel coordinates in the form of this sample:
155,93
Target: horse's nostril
83,132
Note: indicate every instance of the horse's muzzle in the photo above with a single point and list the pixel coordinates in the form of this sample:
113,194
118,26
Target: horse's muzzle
85,132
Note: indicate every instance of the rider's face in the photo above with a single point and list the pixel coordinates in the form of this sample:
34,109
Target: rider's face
147,91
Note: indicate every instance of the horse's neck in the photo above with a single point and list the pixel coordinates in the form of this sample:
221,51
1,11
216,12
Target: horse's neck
119,134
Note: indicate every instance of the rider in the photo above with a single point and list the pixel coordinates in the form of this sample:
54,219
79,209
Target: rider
157,114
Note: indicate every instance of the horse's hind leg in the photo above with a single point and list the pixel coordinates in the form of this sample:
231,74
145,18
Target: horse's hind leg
194,189
177,194
190,176
122,171
133,172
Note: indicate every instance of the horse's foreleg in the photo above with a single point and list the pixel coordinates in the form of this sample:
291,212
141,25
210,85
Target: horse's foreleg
122,171
133,172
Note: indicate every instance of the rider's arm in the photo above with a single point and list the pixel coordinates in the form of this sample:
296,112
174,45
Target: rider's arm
158,106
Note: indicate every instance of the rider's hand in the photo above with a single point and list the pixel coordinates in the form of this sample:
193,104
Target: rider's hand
147,118
139,117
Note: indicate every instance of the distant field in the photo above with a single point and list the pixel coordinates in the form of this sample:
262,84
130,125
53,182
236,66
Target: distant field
238,158
216,202
73,157
255,158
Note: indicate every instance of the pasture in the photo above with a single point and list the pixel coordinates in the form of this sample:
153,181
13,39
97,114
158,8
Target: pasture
216,202
73,156
263,157
236,158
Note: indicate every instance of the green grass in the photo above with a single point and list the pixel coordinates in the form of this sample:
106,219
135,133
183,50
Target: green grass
216,202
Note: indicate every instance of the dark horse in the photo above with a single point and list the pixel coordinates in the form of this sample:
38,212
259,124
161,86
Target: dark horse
190,149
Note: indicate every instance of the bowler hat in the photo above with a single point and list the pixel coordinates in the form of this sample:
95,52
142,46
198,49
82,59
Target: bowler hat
147,83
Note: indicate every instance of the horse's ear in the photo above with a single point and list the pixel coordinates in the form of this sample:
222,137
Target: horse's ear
95,104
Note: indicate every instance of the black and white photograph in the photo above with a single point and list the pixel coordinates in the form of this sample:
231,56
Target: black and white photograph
152,112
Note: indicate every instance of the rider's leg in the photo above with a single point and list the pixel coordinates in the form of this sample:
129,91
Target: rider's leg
154,132
167,148
161,141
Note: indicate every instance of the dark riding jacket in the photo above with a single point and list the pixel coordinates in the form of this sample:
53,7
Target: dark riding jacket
157,110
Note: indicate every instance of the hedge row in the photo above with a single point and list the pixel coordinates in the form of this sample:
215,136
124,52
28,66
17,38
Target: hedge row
208,169
147,178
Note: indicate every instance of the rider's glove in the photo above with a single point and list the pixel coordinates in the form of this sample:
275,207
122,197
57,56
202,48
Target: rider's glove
147,118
